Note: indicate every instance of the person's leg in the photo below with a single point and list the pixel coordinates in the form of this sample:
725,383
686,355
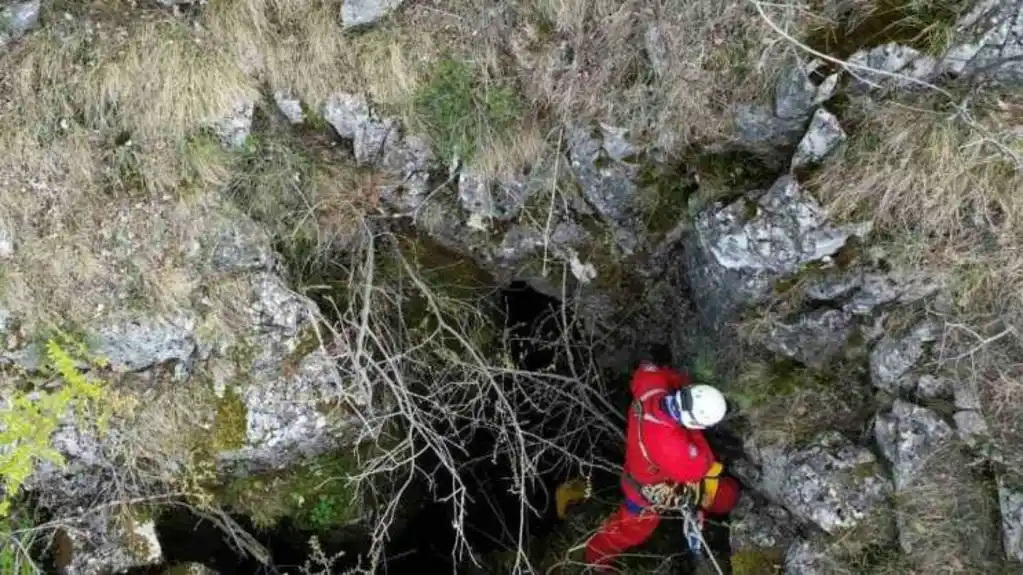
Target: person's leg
624,529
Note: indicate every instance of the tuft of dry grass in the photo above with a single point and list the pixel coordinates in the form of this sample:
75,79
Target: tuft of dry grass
305,192
948,518
942,190
651,66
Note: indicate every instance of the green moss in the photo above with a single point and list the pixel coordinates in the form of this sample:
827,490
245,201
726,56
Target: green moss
758,562
316,495
927,25
229,425
668,189
724,174
308,342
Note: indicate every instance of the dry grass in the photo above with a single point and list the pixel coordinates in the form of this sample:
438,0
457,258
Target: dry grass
652,66
942,190
948,518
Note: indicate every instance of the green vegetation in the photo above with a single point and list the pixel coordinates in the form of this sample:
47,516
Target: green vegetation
784,402
30,418
927,25
229,426
462,111
316,495
16,540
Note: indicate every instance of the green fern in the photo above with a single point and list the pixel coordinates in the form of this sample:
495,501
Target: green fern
29,419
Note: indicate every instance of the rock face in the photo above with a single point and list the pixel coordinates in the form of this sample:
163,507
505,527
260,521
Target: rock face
104,544
18,18
607,183
909,436
240,371
363,12
759,536
740,250
894,357
1011,503
991,42
812,338
821,138
380,142
831,483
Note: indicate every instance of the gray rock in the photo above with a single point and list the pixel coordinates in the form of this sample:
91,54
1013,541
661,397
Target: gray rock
1010,501
606,183
364,12
812,338
616,142
990,43
608,186
810,557
891,58
933,387
966,394
821,138
290,107
379,142
18,18
794,94
346,113
909,436
519,243
103,544
894,287
938,502
758,126
234,129
831,483
492,198
190,569
759,529
737,252
971,427
893,357
242,246
6,241
138,343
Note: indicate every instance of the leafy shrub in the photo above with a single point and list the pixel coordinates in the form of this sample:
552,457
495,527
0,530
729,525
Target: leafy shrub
461,112
29,419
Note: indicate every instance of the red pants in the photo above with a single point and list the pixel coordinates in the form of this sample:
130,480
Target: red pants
625,529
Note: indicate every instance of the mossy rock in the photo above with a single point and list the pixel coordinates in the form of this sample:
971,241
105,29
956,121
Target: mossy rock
229,425
316,494
758,562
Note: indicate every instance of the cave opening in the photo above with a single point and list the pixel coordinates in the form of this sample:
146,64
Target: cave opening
493,518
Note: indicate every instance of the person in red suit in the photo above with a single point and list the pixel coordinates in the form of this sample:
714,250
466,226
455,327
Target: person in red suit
665,448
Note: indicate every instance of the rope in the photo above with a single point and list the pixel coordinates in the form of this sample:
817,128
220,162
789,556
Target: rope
688,518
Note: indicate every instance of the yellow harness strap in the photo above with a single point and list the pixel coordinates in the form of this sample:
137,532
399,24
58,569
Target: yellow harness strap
710,485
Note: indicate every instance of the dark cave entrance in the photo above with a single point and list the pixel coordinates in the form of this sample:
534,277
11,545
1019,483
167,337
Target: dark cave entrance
493,515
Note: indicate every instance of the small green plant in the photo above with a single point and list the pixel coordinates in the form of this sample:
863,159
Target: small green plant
461,111
30,418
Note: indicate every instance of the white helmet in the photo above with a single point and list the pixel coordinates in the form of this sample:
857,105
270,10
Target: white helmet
700,406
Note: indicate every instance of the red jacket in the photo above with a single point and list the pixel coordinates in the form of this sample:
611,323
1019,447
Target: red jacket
676,453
